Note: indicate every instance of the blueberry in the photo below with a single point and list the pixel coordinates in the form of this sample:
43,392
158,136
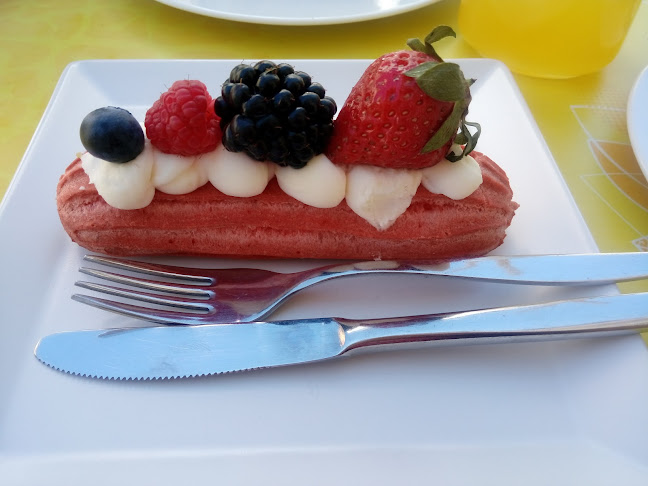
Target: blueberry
112,134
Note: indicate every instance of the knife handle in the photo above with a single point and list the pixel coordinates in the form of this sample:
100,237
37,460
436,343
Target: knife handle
570,318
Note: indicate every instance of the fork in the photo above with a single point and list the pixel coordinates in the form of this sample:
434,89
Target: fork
207,296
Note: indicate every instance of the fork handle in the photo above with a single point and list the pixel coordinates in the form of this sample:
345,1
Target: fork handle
575,269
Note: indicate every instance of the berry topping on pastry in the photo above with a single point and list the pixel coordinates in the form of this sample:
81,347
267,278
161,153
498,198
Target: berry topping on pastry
405,110
272,112
112,134
183,121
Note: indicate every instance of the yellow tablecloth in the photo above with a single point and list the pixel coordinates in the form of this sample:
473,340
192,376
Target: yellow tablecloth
583,119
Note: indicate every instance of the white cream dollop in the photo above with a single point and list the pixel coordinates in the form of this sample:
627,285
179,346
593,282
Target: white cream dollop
123,186
191,178
169,166
320,184
456,180
236,174
380,195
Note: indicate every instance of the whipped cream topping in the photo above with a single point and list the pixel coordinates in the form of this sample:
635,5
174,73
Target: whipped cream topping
377,194
123,186
188,180
236,174
456,180
320,184
167,166
380,195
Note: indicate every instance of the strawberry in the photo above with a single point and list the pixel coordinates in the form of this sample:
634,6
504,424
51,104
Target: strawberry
183,120
405,110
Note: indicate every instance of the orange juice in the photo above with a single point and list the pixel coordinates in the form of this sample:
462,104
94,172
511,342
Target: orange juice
548,38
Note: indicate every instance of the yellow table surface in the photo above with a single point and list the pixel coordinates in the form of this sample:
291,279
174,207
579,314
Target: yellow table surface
582,119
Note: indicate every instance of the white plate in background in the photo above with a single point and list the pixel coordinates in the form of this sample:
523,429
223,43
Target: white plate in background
298,12
503,414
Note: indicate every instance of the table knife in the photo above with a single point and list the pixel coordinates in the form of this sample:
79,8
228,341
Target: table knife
187,351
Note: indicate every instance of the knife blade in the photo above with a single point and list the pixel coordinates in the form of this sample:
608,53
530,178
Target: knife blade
188,351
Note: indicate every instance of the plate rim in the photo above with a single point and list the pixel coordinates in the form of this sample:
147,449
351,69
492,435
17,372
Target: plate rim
296,21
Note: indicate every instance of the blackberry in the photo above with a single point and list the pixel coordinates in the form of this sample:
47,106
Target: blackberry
272,112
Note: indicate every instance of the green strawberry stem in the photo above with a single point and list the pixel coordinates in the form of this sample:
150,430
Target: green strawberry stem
467,138
438,33
444,81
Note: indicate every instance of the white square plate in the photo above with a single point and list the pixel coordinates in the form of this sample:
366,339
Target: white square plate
563,412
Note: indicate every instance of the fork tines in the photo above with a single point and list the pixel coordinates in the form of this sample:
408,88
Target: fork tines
187,296
187,275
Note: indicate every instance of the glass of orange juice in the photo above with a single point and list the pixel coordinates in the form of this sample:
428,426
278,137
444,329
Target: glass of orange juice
548,38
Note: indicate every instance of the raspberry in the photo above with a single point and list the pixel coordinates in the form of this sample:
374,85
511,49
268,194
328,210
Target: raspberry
183,121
